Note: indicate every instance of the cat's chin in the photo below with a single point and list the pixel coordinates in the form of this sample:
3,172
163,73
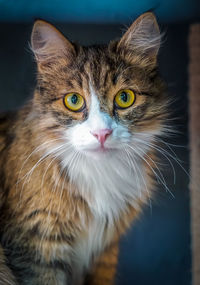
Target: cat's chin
99,152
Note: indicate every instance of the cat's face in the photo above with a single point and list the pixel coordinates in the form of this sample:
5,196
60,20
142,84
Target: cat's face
100,99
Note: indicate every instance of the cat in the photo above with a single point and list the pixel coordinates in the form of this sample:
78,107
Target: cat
76,162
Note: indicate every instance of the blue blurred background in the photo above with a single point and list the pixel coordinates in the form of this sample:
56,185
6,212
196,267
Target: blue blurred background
156,250
90,11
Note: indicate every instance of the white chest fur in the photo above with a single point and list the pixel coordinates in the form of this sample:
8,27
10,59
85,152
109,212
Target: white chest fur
89,247
107,186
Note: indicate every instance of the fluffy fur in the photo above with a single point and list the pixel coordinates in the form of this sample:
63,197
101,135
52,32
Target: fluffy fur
65,201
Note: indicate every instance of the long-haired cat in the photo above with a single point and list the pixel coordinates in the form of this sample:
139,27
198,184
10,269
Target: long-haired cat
76,162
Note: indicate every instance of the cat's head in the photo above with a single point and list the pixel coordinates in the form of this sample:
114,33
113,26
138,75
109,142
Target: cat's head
99,100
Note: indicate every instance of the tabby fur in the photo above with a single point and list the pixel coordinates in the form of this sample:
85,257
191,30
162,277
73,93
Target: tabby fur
62,213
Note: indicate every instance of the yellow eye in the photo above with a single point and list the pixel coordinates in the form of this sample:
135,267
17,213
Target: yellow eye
124,98
74,102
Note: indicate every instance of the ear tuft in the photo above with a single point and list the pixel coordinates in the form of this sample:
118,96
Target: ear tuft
48,43
142,36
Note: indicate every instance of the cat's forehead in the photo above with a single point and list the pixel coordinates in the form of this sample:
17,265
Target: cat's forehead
96,66
102,69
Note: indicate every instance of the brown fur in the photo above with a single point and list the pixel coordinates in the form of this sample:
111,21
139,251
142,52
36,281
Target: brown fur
37,220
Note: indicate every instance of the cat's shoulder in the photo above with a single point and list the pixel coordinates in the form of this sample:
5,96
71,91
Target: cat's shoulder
6,118
7,121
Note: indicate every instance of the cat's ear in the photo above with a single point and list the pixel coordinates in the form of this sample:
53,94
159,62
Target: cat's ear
48,43
142,36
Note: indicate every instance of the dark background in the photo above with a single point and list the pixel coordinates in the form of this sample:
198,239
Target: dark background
156,250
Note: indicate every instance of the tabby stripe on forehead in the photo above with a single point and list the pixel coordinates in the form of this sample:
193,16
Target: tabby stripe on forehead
78,79
69,83
87,76
106,78
115,77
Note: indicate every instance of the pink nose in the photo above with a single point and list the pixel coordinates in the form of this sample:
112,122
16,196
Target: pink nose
102,135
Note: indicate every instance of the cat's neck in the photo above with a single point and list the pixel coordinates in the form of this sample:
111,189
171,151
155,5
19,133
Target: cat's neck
110,184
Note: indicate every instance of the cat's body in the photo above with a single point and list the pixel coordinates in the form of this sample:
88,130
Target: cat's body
73,180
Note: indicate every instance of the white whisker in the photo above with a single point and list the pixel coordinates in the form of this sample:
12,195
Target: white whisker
154,172
140,172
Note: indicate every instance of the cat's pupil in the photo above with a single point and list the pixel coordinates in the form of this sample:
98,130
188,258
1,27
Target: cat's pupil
74,99
124,96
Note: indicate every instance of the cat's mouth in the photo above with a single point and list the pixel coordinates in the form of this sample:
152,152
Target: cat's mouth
101,150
